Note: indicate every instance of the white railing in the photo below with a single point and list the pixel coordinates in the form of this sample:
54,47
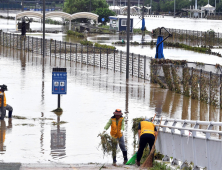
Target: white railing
202,147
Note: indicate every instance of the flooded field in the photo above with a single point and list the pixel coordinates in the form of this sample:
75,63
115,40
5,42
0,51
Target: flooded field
92,96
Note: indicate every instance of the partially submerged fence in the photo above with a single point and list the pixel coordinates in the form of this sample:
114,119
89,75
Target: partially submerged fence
198,80
101,57
181,142
192,37
197,83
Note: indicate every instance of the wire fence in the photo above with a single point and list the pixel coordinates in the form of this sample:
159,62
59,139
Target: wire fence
194,38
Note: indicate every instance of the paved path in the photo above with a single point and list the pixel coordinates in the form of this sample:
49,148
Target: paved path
19,166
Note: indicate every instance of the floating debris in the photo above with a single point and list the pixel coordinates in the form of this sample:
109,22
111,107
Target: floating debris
18,117
58,123
108,144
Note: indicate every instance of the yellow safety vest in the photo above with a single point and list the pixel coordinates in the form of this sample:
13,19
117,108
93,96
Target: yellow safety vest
147,127
1,100
116,129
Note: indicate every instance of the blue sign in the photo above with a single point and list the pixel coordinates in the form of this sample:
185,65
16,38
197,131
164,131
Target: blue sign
59,82
103,19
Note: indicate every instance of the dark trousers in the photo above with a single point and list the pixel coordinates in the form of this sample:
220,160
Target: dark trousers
144,139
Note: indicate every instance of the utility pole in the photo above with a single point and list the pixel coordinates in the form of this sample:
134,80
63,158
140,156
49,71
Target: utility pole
22,6
174,7
151,7
128,38
143,31
43,29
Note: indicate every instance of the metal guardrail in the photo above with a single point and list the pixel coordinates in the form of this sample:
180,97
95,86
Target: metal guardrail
190,144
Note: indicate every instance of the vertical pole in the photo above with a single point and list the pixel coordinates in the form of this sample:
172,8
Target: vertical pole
138,65
4,39
107,62
174,7
60,44
76,52
94,56
132,64
50,49
43,29
87,54
220,91
200,82
28,43
121,61
70,52
191,79
41,46
17,40
10,40
32,46
65,51
114,61
210,86
55,49
81,53
128,37
144,67
58,100
100,59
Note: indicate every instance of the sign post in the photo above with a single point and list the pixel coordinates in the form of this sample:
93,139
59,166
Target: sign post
59,82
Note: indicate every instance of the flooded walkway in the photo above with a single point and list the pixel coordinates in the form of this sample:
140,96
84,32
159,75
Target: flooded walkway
92,96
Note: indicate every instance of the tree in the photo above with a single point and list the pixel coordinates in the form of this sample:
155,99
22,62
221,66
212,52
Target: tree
73,6
104,13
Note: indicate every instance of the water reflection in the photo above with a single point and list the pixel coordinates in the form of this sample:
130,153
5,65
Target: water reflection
3,130
58,140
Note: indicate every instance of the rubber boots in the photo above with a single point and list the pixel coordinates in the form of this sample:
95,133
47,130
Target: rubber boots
125,157
10,114
114,161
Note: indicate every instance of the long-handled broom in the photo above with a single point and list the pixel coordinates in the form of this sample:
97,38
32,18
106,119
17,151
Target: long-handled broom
149,160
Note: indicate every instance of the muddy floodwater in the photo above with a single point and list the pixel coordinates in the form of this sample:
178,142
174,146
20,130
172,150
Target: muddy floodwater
92,96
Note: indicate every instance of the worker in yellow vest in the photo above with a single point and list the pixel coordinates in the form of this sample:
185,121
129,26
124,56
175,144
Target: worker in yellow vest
146,132
3,88
117,127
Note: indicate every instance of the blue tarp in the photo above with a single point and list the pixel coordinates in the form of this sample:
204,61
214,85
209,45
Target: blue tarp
159,51
143,24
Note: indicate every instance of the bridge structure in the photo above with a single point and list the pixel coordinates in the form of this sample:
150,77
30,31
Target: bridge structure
64,15
186,141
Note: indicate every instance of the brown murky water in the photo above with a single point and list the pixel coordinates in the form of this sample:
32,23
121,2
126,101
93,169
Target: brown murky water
93,94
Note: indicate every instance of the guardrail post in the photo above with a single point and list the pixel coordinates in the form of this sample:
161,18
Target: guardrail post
166,157
12,41
196,126
4,39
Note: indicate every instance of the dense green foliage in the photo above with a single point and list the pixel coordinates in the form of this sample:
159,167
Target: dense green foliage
104,46
73,33
73,6
104,13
